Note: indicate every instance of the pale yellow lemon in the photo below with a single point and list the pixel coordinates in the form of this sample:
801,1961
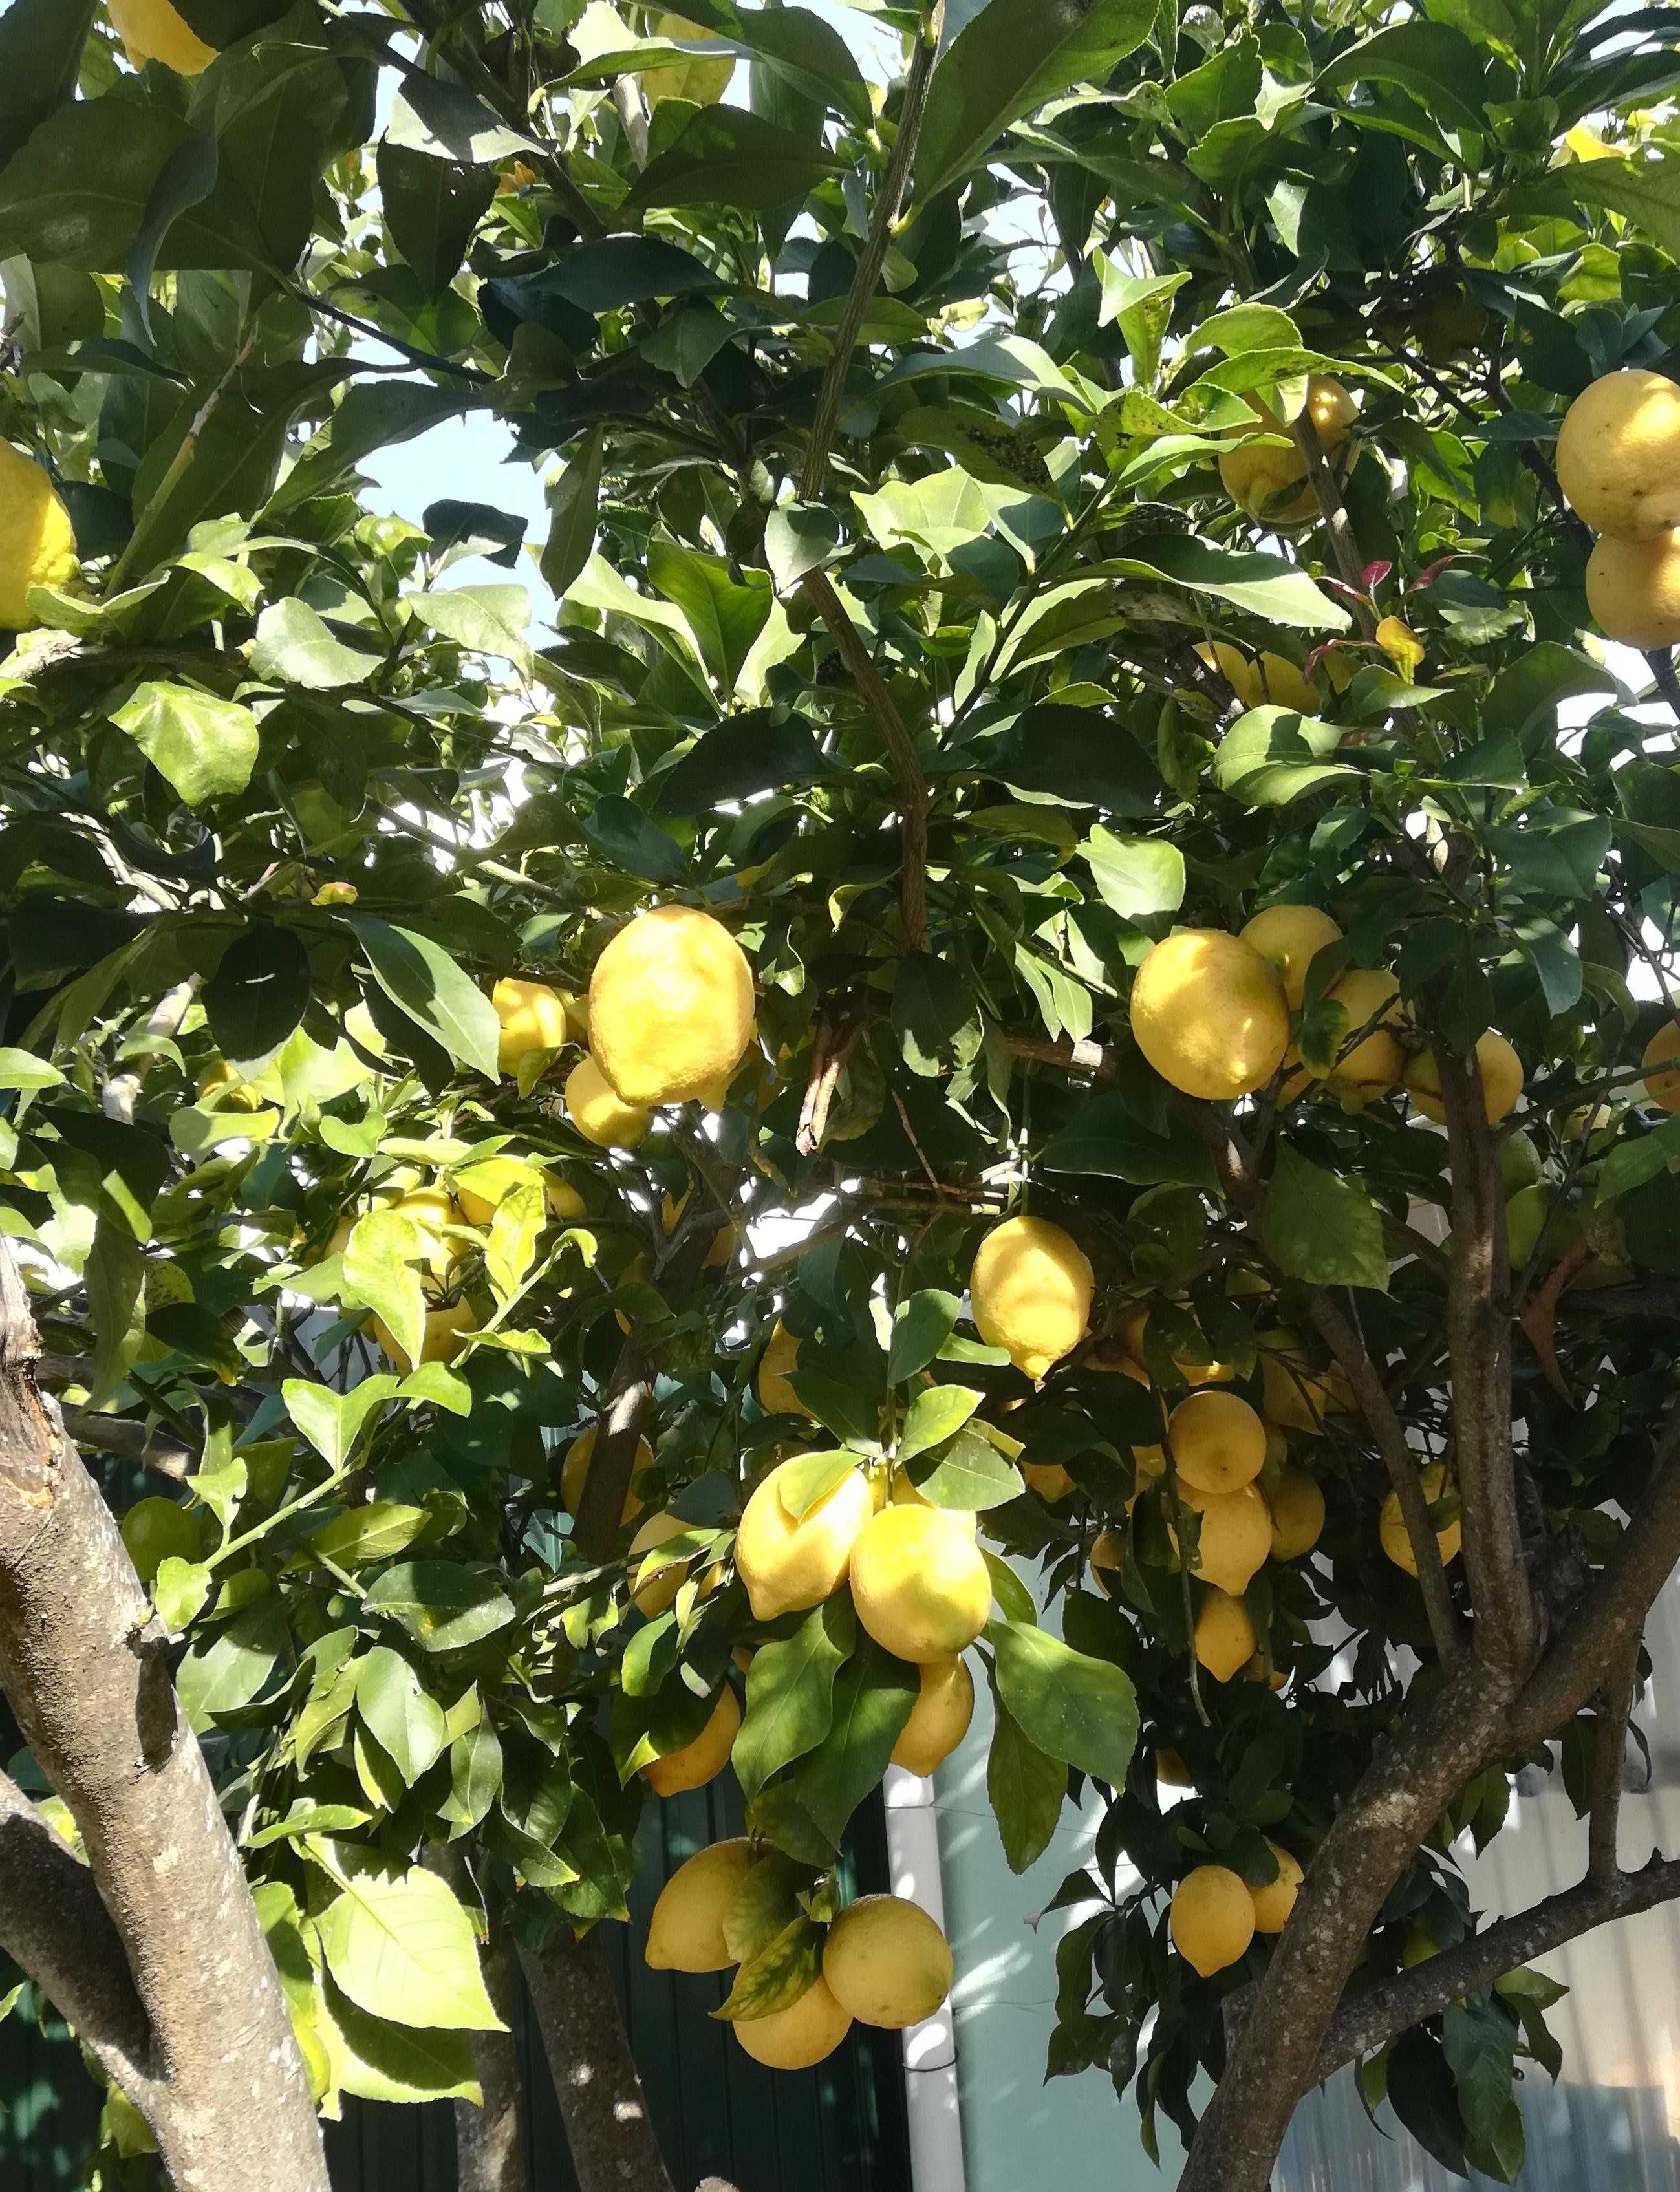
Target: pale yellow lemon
1268,680
887,1962
1210,1014
1049,1479
1030,1290
1292,1391
920,1583
479,1188
446,1329
599,1113
671,1005
1288,938
1497,1067
431,1211
37,543
533,1017
1258,478
574,1473
1619,454
789,1562
1234,1538
939,1718
781,1355
1633,589
1212,1920
152,30
1297,1507
1275,1901
1218,1442
1132,1332
1224,1634
658,1591
794,2038
1369,996
1391,1527
704,1758
1662,1082
685,1933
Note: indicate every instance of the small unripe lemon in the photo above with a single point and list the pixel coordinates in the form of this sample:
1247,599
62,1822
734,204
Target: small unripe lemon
155,1530
1663,1087
1633,589
920,1583
152,30
1224,1634
939,1718
1297,1515
482,1186
659,1591
1275,1901
1368,997
1288,938
447,1329
671,1005
1294,1394
599,1113
1171,1771
1030,1290
1271,680
781,1354
1218,1442
1520,1163
1498,1068
887,1962
1210,1014
794,2038
1392,1526
704,1758
574,1473
1213,1919
685,1933
1619,454
533,1017
789,1562
1234,1540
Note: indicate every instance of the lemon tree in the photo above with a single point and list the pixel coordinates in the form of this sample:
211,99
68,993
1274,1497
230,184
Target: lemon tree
995,1022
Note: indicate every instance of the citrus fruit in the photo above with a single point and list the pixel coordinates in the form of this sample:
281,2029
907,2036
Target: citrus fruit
1371,1067
659,1591
887,1962
533,1017
671,1005
155,1530
920,1583
1224,1634
1498,1068
1210,1014
1288,938
1267,680
1663,1088
939,1718
781,1354
704,1758
599,1113
1633,589
685,1933
1213,1919
1391,1528
1275,1901
1217,1440
152,30
1293,1393
1030,1291
1297,1507
447,1329
574,1473
794,2038
1619,454
789,1562
38,546
1234,1538
479,1188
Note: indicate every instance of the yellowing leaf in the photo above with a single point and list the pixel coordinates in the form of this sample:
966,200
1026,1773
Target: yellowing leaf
1401,644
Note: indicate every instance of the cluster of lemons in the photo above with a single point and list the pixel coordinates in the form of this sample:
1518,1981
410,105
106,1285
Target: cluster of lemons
1619,466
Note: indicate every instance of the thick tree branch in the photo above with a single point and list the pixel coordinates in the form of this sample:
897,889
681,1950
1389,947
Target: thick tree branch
129,1441
605,2111
1609,1753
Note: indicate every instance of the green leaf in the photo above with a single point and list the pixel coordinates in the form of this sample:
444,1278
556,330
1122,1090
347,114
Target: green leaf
221,1481
1272,755
1322,1230
179,1591
330,1420
256,996
475,1776
1009,1590
873,1696
761,750
114,1275
21,1068
1106,1136
783,1970
921,1327
799,537
363,1535
1432,61
970,1476
1269,586
1081,1710
41,43
790,1693
1025,1787
573,502
1137,877
432,208
932,1005
401,1716
489,620
1081,755
204,745
442,1605
224,1675
379,1273
687,339
724,615
1644,190
403,1948
510,1250
1242,327
809,1476
382,2061
294,646
621,833
1141,304
420,977
937,1412
727,155
432,116
1478,2038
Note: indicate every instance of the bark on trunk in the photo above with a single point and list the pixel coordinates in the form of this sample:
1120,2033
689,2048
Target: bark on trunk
184,2006
490,2140
601,2104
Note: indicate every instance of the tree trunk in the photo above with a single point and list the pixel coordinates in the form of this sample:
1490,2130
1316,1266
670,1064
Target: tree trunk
152,1948
490,2140
601,2104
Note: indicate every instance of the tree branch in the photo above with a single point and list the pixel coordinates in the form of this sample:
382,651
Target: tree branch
1328,492
1609,1753
604,2109
127,1440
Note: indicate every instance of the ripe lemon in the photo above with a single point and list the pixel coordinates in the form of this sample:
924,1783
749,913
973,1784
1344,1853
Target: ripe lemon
704,1758
887,1962
574,1473
1218,1442
1132,1335
1367,997
482,1186
1664,1047
686,1931
1049,1479
1030,1291
38,545
430,1211
1633,589
1269,680
152,30
920,1583
789,1562
794,2038
1292,1392
1392,1525
781,1354
939,1718
1235,1537
896,1489
670,1005
599,1113
1289,937
653,1596
702,81
1210,1014
533,1017
447,1329
1619,454
1224,1634
1297,1515
1258,477
1213,1919
1108,1554
1275,1901
1498,1068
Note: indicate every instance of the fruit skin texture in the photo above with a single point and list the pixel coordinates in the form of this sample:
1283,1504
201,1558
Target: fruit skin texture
686,1931
1268,680
1497,1067
600,1115
574,1473
155,1530
1031,1292
1218,1442
1289,937
481,1187
533,1017
1619,454
446,1333
1235,1539
152,30
704,1758
781,1354
886,1962
38,546
794,2038
1275,1901
1213,1919
1633,589
1224,1635
1662,1050
1392,1526
1297,1515
789,1565
1210,1014
920,1583
939,1718
671,1005
1374,1065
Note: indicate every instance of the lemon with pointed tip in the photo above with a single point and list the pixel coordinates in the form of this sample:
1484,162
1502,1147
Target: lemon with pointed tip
920,1583
599,1113
704,1758
792,2039
1297,1506
574,1473
1210,1014
789,1561
1498,1068
939,1718
152,30
887,1962
1030,1291
1218,1442
38,545
1392,1526
781,1355
1224,1634
1619,454
685,1933
1289,938
671,1005
1234,1538
1275,1901
1212,1920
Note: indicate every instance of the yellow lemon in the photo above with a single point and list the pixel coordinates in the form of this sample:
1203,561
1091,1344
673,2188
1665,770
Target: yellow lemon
533,1017
1224,1634
692,78
1270,680
1107,1556
1212,1920
794,2038
789,1562
887,1962
1633,589
1391,1527
1663,1087
1030,1291
599,1113
1257,478
781,1354
1235,1537
939,1718
704,1758
1275,1901
1132,1334
430,1211
685,1933
38,545
1210,1014
1218,1442
1049,1479
1288,938
220,1087
480,1187
920,1583
896,1490
1368,997
1619,454
574,1473
1498,1068
1297,1507
671,1005
1292,1392
659,1591
152,30
446,1333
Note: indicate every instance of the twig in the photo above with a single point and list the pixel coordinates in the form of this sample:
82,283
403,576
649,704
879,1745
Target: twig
1539,1314
1326,488
178,464
1610,1744
837,1030
933,1179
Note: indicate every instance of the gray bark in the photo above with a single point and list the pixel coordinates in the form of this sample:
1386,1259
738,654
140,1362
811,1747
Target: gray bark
613,2149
